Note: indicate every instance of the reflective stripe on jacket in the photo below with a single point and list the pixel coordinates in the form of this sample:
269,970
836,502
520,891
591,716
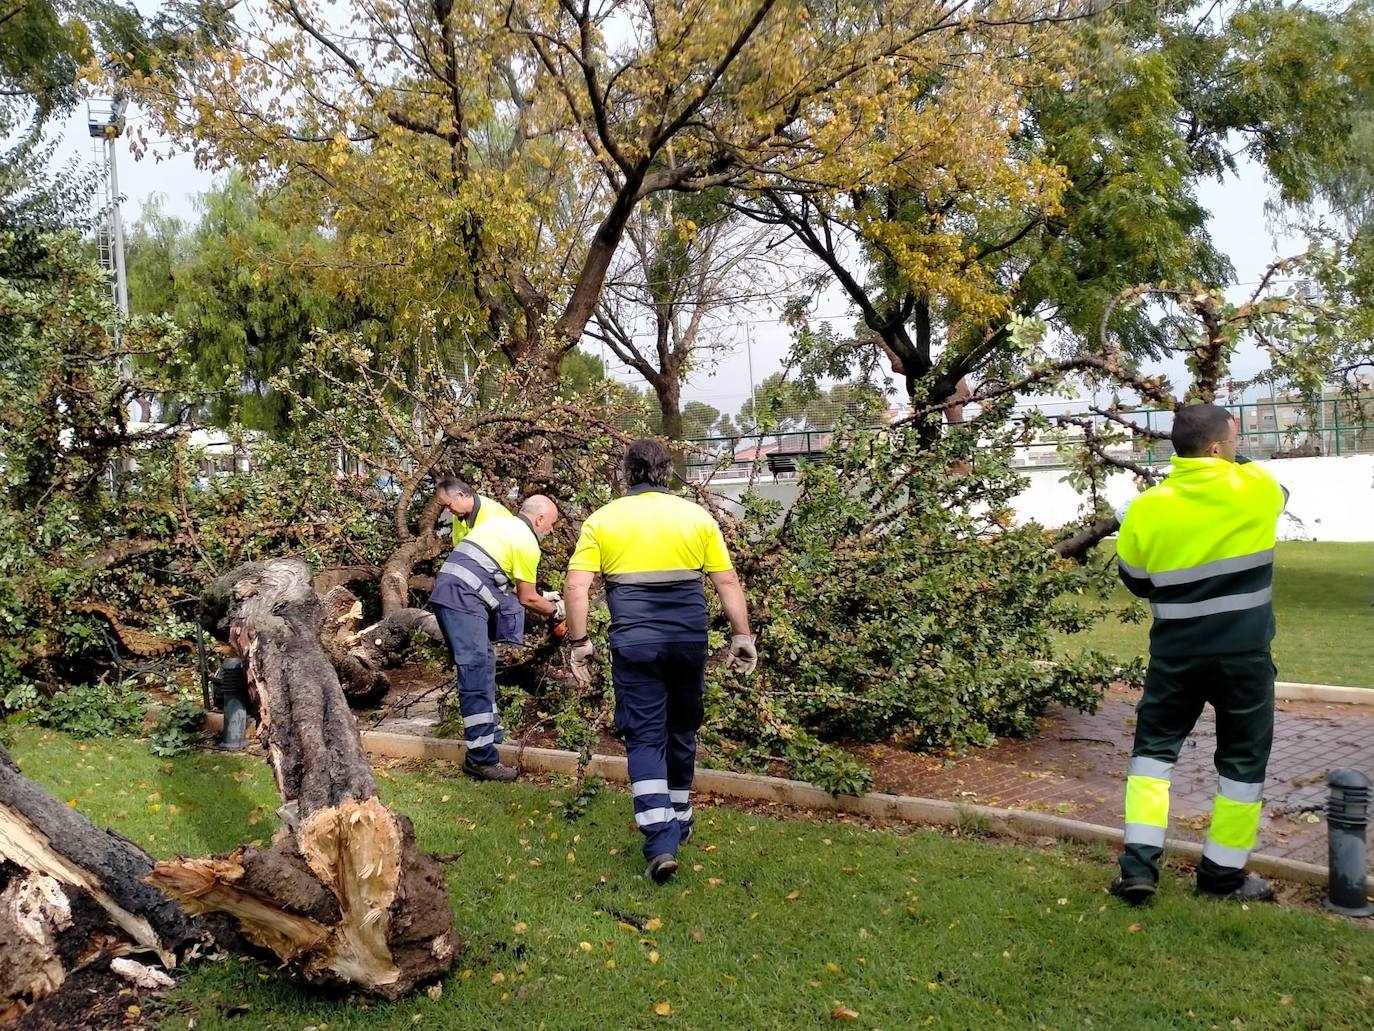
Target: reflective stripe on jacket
473,577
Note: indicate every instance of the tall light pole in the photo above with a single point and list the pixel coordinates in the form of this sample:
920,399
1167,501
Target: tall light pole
105,120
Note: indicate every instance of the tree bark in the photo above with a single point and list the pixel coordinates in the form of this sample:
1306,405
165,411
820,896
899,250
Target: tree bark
343,896
71,893
1078,546
360,655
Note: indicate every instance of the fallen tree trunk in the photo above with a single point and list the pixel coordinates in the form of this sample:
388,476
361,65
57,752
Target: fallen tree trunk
342,896
71,894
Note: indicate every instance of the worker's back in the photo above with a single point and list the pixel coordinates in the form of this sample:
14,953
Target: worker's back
653,549
1200,546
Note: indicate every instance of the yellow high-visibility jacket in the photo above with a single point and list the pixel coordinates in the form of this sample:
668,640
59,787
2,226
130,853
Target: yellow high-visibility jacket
1200,547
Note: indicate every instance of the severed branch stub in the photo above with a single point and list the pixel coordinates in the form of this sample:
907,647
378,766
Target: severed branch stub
72,895
342,896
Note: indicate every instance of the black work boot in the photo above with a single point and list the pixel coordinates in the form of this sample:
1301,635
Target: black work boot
1135,891
661,868
491,771
1253,889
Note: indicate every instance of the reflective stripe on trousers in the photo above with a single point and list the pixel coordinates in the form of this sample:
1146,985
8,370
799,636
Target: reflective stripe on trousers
1147,801
1235,823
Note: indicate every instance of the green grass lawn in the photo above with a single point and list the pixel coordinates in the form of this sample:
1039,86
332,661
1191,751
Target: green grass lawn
771,924
1325,623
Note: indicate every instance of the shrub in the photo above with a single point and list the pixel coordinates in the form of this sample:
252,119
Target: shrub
95,710
177,729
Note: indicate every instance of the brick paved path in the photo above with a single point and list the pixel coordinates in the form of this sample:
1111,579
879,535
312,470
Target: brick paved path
1076,767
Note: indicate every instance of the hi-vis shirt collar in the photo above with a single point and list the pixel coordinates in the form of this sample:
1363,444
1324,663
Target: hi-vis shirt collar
644,488
1199,466
472,515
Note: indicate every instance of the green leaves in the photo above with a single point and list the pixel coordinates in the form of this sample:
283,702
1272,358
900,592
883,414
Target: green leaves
892,603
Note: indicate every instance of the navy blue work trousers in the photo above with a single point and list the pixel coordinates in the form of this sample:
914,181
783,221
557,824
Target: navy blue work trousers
469,639
660,689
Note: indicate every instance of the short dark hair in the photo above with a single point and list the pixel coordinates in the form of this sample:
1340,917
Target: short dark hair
647,461
452,486
1198,427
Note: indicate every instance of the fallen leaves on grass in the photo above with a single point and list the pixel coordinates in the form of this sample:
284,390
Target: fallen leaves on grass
663,1008
844,1013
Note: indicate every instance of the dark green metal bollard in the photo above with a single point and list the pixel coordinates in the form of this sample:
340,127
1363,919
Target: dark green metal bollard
231,692
1347,816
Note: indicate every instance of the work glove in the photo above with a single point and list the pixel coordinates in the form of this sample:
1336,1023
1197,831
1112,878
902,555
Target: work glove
580,661
559,608
743,655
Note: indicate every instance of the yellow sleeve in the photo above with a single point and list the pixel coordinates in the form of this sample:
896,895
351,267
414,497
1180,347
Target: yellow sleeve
1129,559
525,560
1278,492
716,556
1127,547
586,557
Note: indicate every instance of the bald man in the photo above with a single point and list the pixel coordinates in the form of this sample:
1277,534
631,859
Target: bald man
481,596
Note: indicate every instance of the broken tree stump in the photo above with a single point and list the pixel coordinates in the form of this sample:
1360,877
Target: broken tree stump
342,896
72,894
360,655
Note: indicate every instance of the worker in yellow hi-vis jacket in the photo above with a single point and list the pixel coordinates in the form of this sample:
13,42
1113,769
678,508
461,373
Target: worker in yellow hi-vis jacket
655,551
1200,547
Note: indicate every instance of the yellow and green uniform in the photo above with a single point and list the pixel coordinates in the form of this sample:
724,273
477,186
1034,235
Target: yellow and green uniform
474,601
1200,548
484,509
654,551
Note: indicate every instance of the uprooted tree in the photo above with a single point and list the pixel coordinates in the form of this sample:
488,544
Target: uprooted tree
343,898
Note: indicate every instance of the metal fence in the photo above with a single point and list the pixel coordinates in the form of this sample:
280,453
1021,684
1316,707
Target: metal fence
1268,430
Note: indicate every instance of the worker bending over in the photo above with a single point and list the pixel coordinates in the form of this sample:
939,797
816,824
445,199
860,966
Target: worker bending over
654,550
470,509
480,596
1200,547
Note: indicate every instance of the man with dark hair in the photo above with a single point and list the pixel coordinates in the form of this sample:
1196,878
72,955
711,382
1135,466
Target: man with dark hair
480,596
1200,547
469,508
654,550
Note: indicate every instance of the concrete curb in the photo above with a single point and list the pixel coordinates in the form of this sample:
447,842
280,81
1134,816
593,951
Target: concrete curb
897,808
874,804
1288,692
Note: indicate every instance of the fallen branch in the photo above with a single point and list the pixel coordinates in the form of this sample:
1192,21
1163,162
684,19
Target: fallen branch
59,872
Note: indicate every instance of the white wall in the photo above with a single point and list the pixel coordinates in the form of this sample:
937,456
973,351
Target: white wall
1331,499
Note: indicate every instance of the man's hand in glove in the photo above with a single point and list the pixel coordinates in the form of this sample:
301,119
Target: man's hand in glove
743,656
559,609
580,660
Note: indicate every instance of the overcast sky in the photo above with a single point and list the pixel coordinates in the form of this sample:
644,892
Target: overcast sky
758,343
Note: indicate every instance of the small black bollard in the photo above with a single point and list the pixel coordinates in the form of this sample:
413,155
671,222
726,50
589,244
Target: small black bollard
1347,816
231,692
